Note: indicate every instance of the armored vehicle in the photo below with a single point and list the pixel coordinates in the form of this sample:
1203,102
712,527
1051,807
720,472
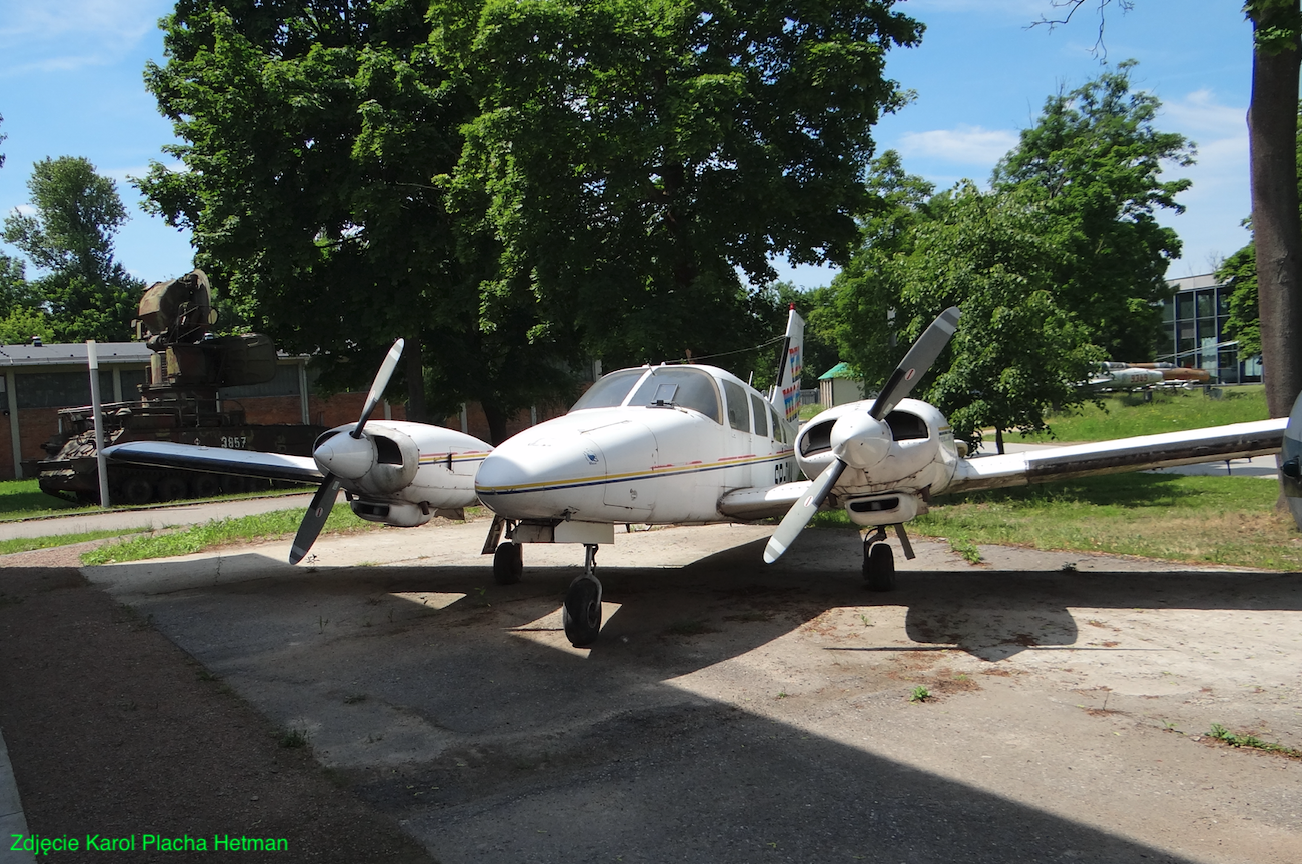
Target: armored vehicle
180,401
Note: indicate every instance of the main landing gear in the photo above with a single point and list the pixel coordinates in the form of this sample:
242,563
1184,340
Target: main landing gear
879,561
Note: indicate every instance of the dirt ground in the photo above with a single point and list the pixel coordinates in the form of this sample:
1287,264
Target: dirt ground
114,731
730,711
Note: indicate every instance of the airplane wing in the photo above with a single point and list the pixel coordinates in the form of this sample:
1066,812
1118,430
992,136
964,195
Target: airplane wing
245,463
1236,441
763,502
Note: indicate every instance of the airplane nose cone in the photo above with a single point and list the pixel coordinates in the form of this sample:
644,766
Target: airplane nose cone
542,478
860,441
345,456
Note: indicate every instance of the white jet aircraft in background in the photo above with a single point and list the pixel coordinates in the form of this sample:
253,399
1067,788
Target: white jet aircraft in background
693,443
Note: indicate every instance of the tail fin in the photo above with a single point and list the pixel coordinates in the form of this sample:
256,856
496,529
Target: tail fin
786,393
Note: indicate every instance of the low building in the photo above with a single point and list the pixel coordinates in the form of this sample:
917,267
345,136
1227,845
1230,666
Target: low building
838,386
1194,331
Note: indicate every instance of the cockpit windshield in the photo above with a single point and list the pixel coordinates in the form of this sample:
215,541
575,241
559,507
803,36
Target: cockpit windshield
610,390
682,386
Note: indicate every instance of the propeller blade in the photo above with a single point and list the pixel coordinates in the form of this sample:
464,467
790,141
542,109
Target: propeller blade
916,363
801,512
317,513
377,386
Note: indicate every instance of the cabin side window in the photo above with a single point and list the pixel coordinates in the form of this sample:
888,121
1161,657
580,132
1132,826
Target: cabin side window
738,412
760,415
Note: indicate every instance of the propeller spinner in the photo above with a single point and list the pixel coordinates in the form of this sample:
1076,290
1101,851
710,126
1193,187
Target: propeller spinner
348,453
862,440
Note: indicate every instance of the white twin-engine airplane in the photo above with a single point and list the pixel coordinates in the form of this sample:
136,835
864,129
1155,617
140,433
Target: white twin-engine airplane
690,444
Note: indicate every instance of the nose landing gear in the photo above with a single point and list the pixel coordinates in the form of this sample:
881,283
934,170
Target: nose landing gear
582,611
879,561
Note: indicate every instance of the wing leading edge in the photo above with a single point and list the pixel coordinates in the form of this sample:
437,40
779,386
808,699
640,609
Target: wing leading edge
245,463
1167,450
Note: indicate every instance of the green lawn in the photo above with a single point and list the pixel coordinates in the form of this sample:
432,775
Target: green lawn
1125,414
221,532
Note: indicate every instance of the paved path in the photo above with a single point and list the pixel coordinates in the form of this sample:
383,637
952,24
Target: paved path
149,518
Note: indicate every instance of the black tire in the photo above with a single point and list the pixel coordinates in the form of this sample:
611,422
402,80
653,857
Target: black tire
137,490
508,563
582,612
205,486
879,568
170,487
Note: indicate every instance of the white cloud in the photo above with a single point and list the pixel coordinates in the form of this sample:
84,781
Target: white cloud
967,145
65,35
1200,112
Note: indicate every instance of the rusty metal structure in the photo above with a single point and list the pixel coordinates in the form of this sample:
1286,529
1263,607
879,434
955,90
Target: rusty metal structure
179,402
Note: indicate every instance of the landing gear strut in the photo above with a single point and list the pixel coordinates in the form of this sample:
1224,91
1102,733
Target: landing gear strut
582,612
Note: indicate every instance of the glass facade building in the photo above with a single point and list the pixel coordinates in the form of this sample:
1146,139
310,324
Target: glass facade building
1193,333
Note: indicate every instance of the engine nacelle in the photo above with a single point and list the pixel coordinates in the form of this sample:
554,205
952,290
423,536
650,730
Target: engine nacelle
397,459
916,433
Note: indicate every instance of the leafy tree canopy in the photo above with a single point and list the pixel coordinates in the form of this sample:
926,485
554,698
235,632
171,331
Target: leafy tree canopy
1095,158
87,293
627,159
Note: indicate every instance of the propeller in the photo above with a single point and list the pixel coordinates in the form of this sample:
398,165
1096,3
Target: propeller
865,439
335,453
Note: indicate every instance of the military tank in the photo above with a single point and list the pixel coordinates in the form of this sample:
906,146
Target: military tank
179,402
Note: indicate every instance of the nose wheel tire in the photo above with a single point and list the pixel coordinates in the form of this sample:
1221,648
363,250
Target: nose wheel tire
582,612
878,567
508,563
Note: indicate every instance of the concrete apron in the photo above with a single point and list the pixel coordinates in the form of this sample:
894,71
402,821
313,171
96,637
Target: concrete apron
733,710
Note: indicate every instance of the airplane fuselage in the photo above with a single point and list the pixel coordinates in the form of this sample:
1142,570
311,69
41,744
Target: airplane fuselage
652,445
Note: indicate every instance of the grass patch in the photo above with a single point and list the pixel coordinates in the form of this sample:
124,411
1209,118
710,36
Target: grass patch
216,533
1220,733
1174,517
27,544
1126,414
23,499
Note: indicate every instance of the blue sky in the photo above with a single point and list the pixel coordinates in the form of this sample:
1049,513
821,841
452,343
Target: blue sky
71,85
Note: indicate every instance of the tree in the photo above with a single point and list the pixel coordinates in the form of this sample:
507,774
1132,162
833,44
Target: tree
863,320
1277,227
312,133
87,293
1240,270
627,159
1094,157
1017,352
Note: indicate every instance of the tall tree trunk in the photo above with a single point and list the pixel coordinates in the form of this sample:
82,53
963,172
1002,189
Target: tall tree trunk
496,418
1276,228
415,379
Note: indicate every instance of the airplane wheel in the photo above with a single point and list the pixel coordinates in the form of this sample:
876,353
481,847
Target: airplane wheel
508,563
582,614
879,568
